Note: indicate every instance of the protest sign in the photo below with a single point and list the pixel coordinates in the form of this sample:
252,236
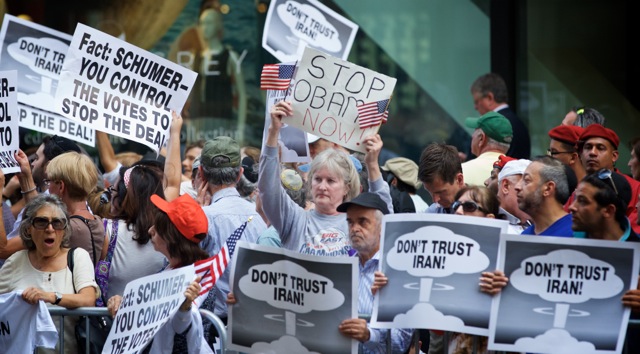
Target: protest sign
293,25
9,136
292,141
288,302
147,304
38,120
326,93
569,290
121,89
37,53
433,263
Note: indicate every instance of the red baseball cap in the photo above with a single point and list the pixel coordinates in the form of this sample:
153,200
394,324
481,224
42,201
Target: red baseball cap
568,134
598,131
186,214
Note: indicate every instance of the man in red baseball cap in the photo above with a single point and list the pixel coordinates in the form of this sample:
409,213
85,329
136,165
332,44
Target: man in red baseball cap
598,149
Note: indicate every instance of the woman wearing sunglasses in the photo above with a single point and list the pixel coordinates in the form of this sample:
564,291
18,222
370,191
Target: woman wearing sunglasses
41,270
473,201
476,201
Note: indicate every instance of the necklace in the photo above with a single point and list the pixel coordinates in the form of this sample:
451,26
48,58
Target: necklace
40,263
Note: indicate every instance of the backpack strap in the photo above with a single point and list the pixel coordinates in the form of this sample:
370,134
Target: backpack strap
70,265
93,245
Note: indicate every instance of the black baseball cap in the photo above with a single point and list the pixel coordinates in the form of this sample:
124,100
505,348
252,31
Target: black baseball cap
367,200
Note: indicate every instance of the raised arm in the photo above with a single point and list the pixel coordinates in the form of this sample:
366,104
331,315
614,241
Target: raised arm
173,165
282,212
373,145
105,152
27,185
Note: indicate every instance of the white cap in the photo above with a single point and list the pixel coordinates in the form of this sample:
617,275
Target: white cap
312,138
515,167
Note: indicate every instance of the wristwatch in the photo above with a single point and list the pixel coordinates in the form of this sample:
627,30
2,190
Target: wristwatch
58,298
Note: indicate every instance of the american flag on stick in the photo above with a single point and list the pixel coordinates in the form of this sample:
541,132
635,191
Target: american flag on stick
372,113
211,269
276,76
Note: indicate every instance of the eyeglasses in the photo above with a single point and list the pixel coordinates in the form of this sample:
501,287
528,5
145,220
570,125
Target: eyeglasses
41,223
605,174
554,152
468,206
46,182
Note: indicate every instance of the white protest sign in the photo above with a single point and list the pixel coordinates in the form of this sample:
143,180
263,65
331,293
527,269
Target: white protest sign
288,286
435,251
326,93
37,53
121,89
147,304
9,136
567,276
291,26
47,122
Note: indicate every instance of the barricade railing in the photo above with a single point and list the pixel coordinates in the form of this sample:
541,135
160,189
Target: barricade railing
218,324
80,311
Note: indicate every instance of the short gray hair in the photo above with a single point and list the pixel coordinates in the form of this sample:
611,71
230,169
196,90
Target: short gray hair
339,162
220,176
30,211
553,170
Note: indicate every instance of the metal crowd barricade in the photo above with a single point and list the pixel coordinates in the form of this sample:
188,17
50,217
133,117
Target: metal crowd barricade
218,324
80,311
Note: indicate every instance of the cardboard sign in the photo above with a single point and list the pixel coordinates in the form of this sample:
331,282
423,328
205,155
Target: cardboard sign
121,89
293,25
326,93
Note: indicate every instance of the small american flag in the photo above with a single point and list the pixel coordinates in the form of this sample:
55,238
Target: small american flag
372,113
276,76
212,268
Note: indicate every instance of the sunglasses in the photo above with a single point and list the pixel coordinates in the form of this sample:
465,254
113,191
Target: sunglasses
105,197
468,206
41,223
605,174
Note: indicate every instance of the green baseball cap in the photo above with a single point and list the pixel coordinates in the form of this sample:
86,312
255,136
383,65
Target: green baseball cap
222,146
494,124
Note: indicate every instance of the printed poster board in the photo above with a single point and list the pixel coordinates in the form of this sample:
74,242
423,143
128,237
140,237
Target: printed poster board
564,295
148,303
37,53
9,124
433,263
121,89
288,302
293,25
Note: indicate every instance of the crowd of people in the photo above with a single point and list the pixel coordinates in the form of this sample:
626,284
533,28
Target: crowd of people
138,216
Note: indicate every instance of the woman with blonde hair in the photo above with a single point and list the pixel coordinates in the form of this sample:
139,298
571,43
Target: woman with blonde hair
73,176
